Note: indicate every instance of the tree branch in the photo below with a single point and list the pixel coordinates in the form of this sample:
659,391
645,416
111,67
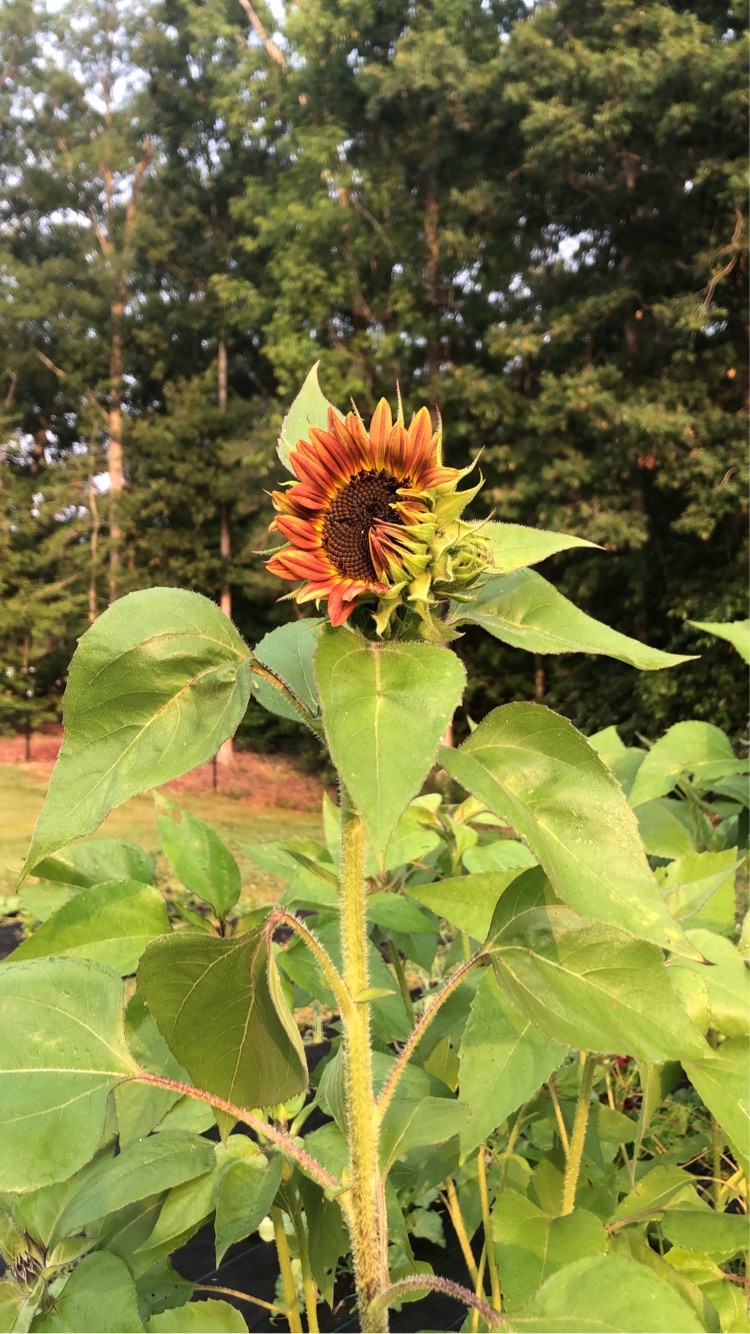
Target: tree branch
272,49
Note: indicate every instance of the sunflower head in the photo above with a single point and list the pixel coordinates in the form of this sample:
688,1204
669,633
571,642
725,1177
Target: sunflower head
373,521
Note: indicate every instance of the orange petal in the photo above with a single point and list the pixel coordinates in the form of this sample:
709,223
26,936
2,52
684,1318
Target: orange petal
380,430
302,532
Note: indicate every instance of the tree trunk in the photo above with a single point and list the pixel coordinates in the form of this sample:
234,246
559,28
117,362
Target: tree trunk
93,544
115,446
225,753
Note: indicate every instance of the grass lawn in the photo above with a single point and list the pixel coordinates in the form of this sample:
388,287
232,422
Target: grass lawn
22,791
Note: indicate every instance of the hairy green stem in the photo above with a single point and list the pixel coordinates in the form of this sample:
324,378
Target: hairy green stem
366,1225
575,1151
420,1029
432,1283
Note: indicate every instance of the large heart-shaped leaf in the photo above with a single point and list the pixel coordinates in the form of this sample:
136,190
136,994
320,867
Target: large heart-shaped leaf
385,708
588,985
524,610
220,1009
504,1060
534,769
62,1051
111,923
98,1298
606,1294
155,686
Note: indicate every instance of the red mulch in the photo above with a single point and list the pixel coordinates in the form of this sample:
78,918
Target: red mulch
259,780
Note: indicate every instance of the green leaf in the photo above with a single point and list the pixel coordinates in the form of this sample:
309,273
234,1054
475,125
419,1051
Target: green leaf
530,1245
522,609
289,651
727,982
504,1060
62,1051
691,881
606,1294
737,632
624,761
466,901
99,1297
385,708
18,1306
141,1107
219,1007
310,408
206,1316
156,684
722,1236
111,924
534,769
515,546
410,1123
664,826
245,1195
696,748
723,1085
502,854
590,986
144,1168
97,862
198,857
660,1186
397,912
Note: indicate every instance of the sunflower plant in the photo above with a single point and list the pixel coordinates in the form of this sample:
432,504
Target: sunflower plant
482,963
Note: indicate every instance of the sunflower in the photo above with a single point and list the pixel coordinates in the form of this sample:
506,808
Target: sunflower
367,516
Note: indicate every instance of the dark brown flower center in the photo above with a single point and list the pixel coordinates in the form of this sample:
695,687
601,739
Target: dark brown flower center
369,496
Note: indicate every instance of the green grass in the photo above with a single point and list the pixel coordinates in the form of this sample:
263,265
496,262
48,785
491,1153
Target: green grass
22,792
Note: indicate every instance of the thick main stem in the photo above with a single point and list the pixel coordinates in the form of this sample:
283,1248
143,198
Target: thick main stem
365,1223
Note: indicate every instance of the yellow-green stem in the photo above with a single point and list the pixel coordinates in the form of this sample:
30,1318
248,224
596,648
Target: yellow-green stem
308,1282
575,1151
459,1227
287,1277
487,1224
365,1223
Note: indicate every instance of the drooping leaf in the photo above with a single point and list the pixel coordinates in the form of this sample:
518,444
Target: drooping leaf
504,1060
111,923
534,769
156,684
530,1245
198,857
205,1316
62,1051
515,546
523,610
99,1297
590,986
697,748
289,651
310,408
218,1005
144,1168
737,632
245,1195
606,1294
97,861
723,1085
385,708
